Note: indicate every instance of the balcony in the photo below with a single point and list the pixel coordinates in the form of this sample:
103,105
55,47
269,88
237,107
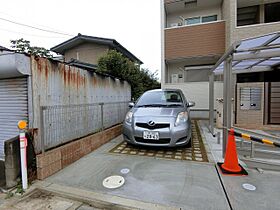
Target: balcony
201,40
173,6
168,1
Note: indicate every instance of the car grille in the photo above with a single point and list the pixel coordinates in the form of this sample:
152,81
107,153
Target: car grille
151,141
156,126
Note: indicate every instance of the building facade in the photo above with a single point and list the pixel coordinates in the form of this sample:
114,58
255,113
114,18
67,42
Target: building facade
198,32
83,50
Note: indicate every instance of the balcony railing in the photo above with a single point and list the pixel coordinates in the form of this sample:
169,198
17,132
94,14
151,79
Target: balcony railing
207,39
169,1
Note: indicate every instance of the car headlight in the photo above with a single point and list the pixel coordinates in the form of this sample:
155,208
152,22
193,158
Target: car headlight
181,118
128,117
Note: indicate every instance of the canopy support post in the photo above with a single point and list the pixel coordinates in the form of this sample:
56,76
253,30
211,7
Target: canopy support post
211,103
227,88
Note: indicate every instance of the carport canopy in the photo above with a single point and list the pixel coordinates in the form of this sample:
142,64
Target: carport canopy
256,54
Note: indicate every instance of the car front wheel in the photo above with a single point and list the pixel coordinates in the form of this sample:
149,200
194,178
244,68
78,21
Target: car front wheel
189,144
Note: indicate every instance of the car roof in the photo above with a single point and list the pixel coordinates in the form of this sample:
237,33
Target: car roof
167,89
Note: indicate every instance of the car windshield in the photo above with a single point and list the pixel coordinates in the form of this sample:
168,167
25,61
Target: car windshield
160,98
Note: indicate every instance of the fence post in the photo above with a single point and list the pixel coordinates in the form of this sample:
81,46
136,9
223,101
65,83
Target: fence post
218,137
241,143
102,115
42,129
252,155
120,112
22,125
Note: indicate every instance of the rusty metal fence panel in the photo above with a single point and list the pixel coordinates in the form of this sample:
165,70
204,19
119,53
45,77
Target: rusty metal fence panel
61,124
114,113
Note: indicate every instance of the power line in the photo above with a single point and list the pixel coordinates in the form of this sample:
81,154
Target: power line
33,27
17,32
8,16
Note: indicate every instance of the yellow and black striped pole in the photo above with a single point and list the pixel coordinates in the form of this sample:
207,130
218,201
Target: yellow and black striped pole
256,139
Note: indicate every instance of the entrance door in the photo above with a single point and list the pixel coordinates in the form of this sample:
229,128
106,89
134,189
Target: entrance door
274,103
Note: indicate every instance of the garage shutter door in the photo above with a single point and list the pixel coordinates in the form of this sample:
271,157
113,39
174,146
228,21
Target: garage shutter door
13,107
274,116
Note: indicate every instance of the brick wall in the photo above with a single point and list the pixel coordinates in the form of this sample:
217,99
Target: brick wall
197,40
54,160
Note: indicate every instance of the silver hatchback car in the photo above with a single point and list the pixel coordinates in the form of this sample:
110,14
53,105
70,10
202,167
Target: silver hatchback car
159,118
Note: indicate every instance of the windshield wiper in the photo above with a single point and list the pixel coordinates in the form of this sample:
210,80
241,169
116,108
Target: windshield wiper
153,105
172,105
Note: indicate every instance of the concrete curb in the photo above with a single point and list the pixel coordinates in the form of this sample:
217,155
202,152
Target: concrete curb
99,200
206,146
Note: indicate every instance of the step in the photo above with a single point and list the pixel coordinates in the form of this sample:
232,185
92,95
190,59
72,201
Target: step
259,153
100,200
265,164
247,144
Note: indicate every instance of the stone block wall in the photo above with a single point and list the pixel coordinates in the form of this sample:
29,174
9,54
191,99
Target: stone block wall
54,160
12,161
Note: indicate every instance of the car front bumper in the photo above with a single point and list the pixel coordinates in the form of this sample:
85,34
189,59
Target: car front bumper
168,137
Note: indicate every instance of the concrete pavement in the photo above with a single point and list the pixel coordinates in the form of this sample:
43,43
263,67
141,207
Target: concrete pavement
2,198
173,183
156,183
267,193
37,199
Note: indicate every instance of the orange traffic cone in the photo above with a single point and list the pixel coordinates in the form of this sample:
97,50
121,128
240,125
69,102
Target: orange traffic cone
231,166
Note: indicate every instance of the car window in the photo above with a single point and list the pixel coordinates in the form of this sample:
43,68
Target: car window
173,97
159,98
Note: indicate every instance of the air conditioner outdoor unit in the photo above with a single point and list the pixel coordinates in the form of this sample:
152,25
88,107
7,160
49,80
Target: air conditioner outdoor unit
180,78
174,78
173,25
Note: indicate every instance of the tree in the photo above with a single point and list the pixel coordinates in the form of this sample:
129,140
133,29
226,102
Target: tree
23,46
141,80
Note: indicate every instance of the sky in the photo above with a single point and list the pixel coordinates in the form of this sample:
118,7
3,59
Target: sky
133,23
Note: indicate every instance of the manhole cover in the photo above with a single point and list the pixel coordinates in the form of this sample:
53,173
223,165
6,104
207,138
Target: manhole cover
250,187
125,171
113,182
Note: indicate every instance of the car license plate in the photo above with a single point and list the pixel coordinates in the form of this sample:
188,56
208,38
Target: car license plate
151,135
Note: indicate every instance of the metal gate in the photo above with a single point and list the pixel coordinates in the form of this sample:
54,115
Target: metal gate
274,103
13,107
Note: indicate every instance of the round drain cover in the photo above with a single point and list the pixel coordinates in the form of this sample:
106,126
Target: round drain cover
250,187
125,171
113,182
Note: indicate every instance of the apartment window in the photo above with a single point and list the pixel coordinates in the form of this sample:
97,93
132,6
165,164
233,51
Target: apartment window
197,73
203,19
272,12
248,15
211,18
194,20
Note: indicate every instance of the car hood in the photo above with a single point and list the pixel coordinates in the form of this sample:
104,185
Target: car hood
157,111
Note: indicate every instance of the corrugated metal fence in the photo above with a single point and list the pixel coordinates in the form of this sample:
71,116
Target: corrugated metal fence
61,124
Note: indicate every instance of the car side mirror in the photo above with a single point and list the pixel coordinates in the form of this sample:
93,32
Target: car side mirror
131,104
190,104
